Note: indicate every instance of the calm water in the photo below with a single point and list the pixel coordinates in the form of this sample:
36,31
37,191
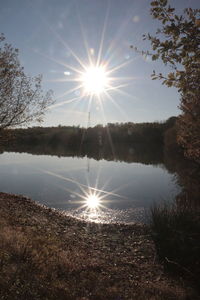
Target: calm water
124,190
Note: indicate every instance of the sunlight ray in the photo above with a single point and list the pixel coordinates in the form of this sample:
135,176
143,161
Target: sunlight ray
72,192
72,169
59,62
84,35
117,87
63,79
76,104
61,40
108,132
106,183
119,188
87,179
79,184
76,88
118,90
99,58
123,93
119,108
67,46
123,78
97,178
116,40
68,179
64,102
89,106
84,132
120,66
95,75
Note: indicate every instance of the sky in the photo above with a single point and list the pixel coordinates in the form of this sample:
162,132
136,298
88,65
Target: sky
60,38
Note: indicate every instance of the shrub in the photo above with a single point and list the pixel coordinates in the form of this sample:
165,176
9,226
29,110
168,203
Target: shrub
176,232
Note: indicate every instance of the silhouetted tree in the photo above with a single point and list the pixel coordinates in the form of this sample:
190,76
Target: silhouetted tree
177,44
21,96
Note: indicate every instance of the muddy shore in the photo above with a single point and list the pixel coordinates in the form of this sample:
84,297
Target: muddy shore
47,255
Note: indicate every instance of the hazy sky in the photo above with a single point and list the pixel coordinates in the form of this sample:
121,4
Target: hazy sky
52,36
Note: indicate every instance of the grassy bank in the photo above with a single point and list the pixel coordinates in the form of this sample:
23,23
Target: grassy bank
46,255
176,232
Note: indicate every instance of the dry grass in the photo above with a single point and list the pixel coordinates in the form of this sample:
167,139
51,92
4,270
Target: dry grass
176,232
45,255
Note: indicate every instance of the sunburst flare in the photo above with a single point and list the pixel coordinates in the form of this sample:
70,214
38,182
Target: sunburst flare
95,80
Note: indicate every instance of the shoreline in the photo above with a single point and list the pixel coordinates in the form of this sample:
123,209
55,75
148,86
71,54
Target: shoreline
67,258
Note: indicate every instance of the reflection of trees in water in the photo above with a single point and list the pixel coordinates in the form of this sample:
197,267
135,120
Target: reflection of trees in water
142,143
124,142
177,225
146,154
187,172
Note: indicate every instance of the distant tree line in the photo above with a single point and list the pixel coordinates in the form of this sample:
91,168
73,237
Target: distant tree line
120,141
112,133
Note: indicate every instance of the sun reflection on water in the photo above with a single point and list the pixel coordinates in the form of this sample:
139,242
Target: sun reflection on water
93,201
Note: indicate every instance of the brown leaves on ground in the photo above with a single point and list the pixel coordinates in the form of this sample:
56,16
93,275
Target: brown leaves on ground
46,255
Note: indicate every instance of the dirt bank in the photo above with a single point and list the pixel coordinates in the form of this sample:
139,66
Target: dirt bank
46,255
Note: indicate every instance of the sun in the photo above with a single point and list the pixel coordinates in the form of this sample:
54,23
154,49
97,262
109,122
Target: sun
95,80
92,201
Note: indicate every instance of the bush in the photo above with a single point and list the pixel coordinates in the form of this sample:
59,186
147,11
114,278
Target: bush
176,232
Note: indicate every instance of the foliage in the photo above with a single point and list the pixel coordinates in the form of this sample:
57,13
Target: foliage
187,171
138,142
21,96
176,232
132,134
177,44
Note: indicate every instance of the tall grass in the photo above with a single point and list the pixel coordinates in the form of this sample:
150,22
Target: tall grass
176,232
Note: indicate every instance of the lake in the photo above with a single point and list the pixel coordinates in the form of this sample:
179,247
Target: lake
97,190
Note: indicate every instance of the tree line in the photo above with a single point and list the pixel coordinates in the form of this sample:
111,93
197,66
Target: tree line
99,135
176,42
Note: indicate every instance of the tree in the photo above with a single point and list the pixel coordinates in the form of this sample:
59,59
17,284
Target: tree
177,44
21,96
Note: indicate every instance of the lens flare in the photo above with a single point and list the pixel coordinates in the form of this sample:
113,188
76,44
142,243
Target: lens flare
92,201
95,80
